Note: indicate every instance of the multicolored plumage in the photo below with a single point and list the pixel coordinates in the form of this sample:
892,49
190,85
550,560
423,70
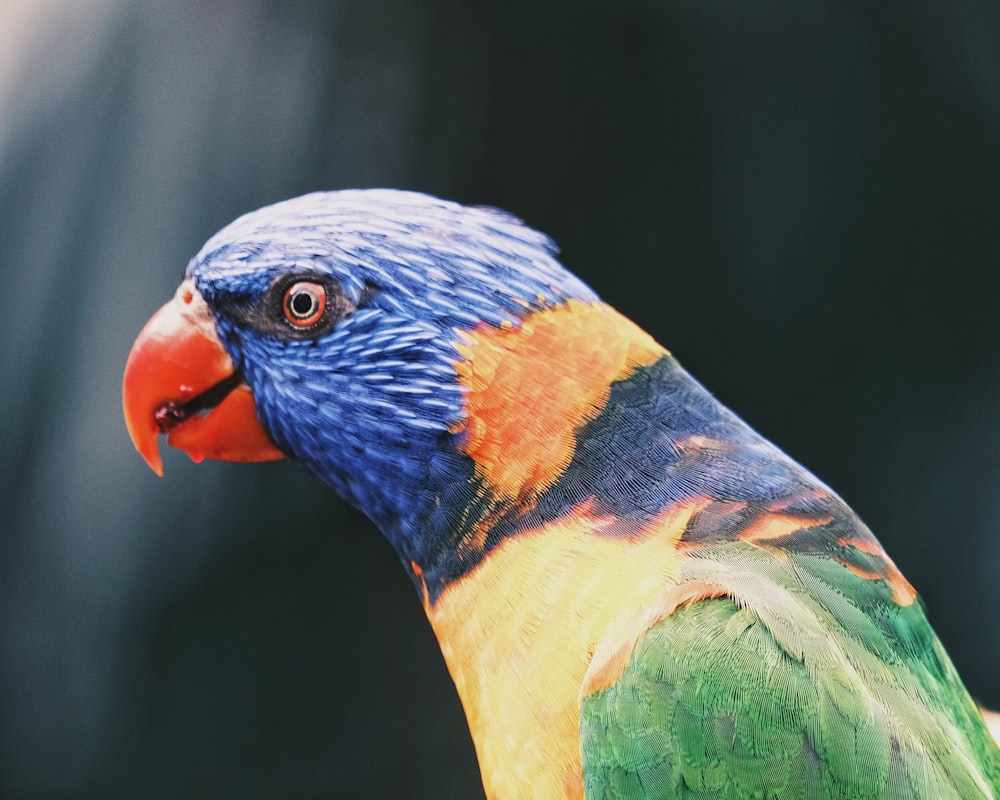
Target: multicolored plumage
636,595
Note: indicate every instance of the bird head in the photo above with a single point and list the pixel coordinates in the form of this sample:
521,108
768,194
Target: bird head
352,331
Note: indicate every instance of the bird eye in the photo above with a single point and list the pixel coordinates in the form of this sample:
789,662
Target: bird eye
304,303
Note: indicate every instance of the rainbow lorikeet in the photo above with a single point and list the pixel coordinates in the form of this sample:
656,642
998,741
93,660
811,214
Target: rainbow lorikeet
636,594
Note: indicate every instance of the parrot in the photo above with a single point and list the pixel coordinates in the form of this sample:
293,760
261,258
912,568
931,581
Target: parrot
635,593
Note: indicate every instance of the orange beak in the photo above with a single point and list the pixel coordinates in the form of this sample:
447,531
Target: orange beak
180,381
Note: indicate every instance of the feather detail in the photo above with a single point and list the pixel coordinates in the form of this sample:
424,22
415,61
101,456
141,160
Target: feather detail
529,390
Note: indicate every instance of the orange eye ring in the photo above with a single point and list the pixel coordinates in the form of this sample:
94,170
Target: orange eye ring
304,303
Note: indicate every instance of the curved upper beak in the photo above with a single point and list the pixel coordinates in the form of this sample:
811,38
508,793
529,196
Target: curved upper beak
180,381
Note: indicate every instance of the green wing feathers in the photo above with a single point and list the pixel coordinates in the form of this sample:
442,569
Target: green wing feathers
804,681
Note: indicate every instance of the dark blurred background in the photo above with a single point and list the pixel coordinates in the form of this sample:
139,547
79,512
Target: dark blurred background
800,198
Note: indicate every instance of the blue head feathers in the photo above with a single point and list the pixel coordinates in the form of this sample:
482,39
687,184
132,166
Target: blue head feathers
426,258
367,402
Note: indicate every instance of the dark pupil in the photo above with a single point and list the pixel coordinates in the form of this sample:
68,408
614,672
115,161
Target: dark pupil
303,304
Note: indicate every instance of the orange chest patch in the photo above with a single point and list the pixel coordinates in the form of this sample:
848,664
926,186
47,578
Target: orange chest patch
519,632
529,389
